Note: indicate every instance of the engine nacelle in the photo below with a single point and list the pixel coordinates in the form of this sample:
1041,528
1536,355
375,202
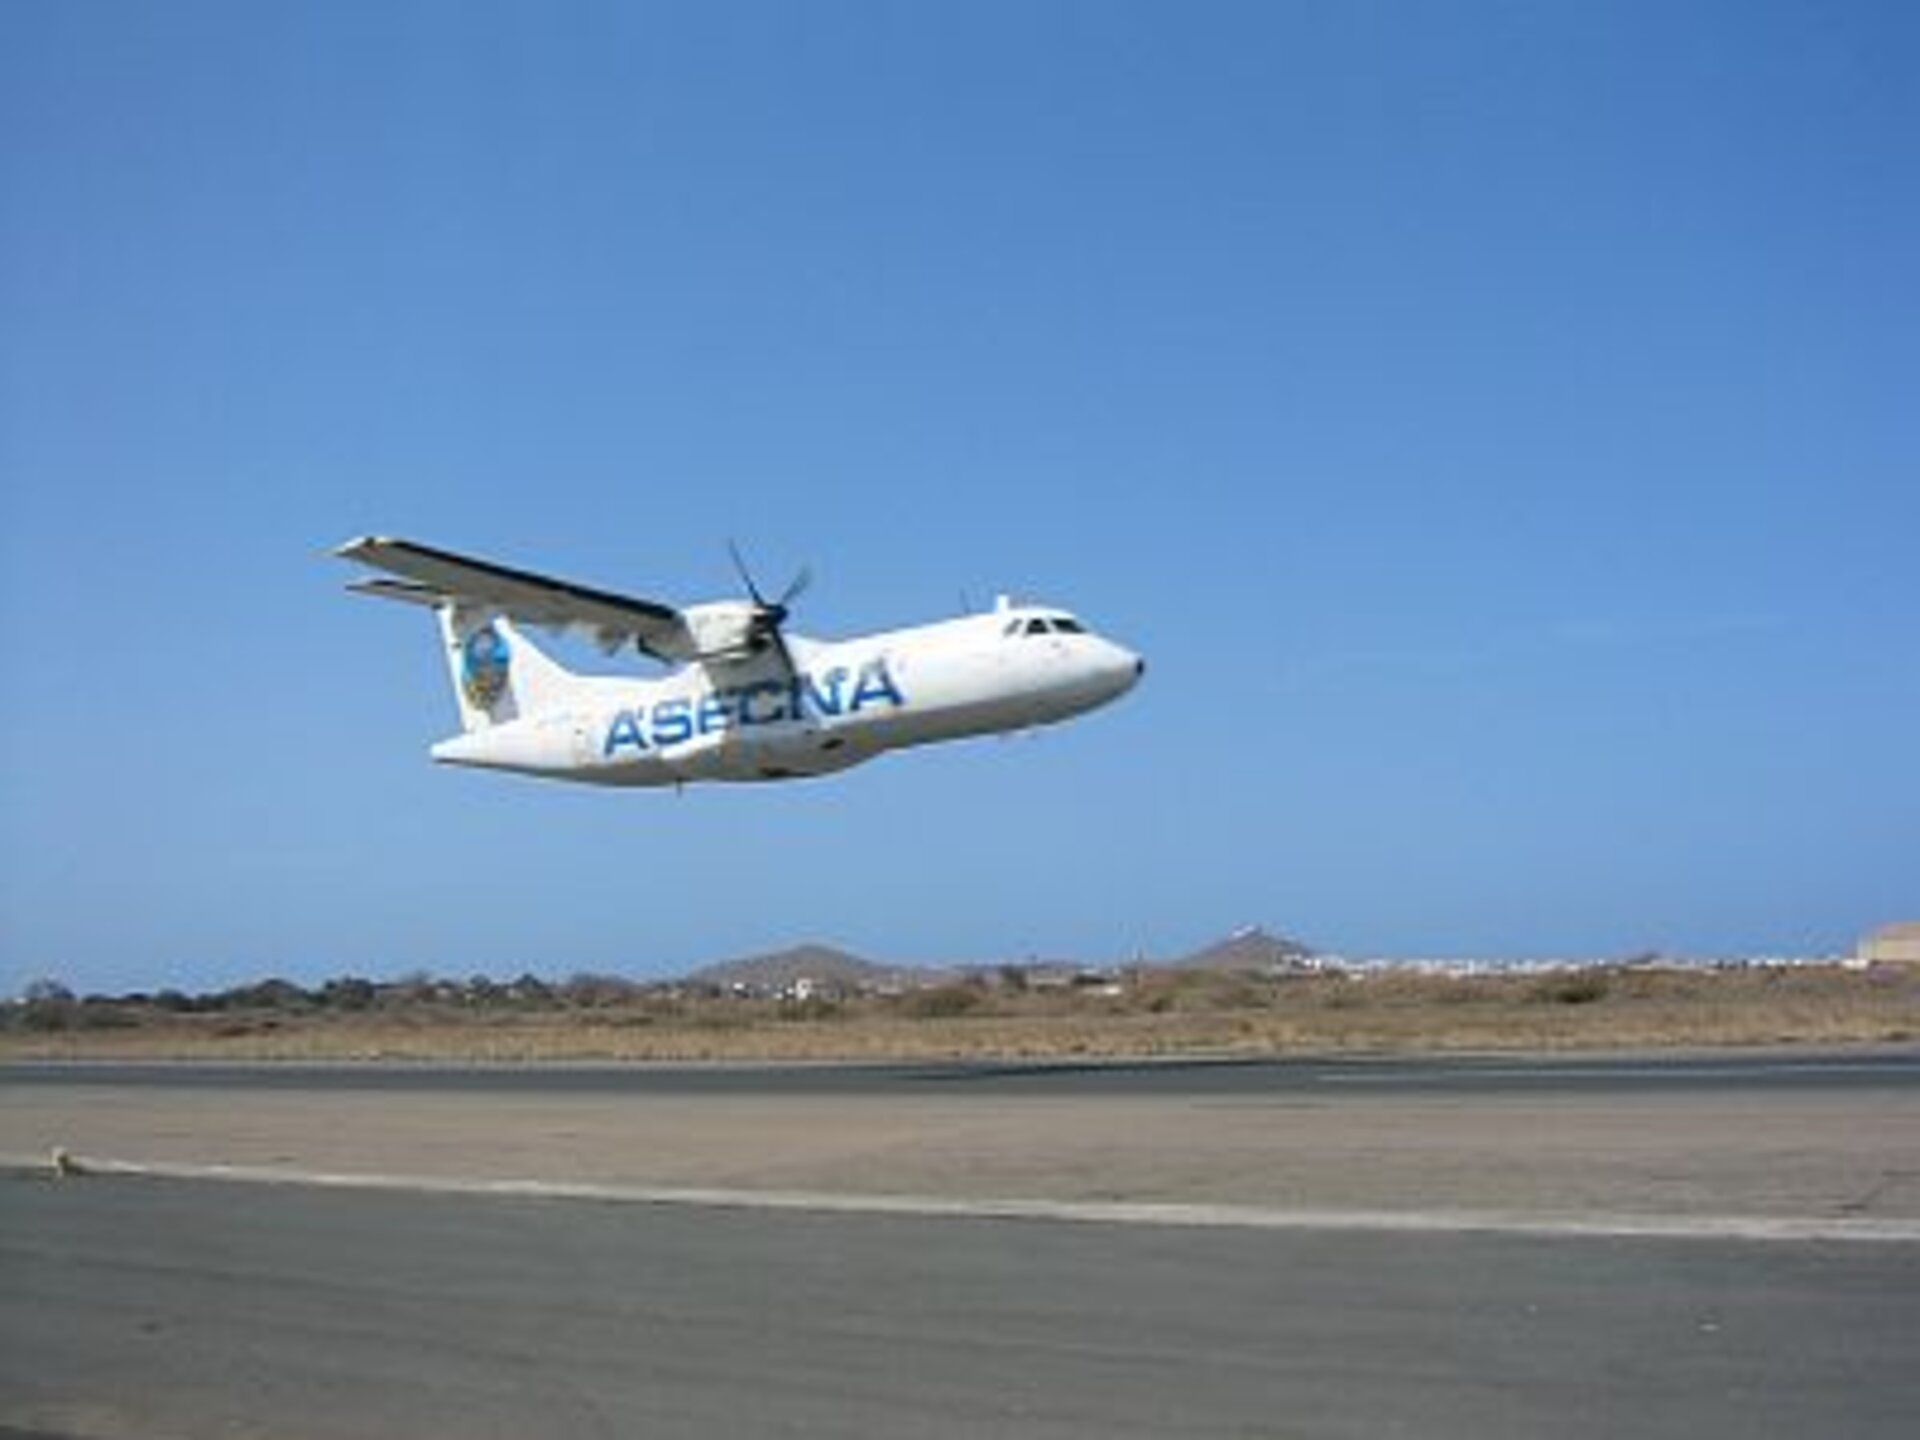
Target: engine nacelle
723,627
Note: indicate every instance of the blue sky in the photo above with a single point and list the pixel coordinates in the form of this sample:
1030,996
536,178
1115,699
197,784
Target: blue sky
1497,424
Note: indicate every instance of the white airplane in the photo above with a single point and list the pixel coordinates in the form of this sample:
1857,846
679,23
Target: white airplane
749,701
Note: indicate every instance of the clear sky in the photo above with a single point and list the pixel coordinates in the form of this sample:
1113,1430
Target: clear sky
1498,424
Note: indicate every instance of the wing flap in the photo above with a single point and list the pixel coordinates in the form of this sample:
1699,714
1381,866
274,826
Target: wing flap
384,589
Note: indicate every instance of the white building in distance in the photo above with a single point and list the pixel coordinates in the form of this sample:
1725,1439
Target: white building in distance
1897,944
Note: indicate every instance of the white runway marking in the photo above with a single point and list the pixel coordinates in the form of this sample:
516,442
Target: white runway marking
1098,1212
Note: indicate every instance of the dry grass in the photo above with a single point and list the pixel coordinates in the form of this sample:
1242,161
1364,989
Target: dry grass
1156,1014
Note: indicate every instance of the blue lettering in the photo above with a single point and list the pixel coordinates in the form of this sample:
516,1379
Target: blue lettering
625,730
765,702
766,689
876,685
716,711
672,722
809,695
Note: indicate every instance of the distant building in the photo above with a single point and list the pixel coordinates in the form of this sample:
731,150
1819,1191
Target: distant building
1892,945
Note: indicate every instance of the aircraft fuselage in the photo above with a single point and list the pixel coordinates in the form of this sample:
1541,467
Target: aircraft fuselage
841,702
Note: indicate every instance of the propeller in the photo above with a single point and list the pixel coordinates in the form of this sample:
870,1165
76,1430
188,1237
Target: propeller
770,615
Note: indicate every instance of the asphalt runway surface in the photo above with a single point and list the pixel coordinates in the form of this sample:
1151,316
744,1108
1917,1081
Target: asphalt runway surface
1746,1071
1521,1301
1833,1137
162,1308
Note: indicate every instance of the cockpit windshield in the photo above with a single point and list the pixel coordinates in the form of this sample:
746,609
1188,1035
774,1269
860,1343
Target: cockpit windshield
1044,625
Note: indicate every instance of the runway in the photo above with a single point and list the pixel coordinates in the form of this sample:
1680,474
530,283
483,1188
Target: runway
167,1309
1833,1139
1602,1246
1503,1075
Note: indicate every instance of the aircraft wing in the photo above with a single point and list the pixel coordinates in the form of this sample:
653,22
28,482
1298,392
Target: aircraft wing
433,577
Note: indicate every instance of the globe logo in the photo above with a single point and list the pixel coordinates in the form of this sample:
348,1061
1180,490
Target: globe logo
483,667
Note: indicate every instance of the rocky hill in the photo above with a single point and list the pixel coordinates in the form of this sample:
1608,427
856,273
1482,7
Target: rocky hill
1251,948
824,965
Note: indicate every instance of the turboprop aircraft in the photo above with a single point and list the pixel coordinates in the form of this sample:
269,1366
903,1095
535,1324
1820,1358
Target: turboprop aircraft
747,699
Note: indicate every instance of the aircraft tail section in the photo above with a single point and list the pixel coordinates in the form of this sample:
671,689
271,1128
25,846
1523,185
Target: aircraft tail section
498,674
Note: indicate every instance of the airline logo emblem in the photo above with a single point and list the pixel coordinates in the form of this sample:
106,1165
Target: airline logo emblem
484,659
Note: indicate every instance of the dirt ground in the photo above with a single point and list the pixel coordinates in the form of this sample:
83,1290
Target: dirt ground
1156,1015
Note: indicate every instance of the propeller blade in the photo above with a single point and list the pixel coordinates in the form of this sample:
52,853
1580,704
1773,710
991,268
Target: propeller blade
770,615
786,655
746,575
796,588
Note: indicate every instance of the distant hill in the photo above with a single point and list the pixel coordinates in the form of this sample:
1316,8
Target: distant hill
1251,948
822,964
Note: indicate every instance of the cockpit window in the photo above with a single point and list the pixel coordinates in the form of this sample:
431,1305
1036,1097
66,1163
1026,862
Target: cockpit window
1043,625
